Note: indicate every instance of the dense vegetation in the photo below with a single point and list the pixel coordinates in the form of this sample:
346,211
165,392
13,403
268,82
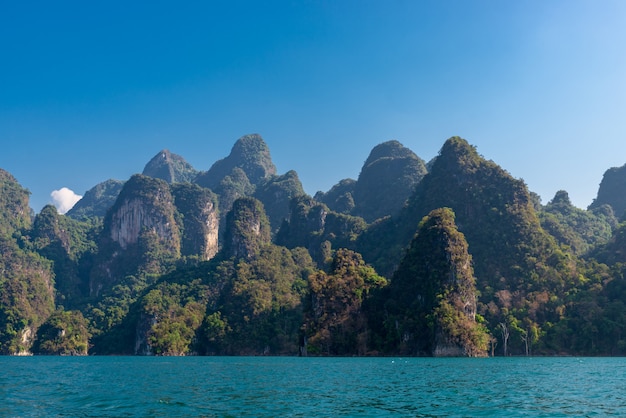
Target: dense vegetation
453,257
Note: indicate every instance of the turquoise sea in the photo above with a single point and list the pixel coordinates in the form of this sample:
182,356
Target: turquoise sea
311,387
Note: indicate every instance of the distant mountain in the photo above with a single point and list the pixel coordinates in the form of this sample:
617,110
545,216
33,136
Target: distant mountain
250,154
276,194
386,181
612,191
170,167
96,200
581,230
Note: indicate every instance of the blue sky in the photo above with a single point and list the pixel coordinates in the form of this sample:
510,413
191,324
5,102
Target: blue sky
92,90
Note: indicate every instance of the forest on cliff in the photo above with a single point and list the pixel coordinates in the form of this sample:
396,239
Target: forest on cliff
450,257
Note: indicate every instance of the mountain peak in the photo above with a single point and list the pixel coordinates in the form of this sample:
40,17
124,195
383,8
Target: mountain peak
389,149
251,154
169,167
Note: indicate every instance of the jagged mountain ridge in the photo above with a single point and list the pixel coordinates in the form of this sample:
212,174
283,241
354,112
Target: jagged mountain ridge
534,273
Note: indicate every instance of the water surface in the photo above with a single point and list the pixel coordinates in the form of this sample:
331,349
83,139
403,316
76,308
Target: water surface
298,387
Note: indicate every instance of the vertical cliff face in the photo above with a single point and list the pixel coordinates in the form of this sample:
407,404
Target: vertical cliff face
612,191
200,220
140,233
276,195
145,205
247,229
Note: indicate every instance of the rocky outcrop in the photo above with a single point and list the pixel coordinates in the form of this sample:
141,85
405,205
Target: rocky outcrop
146,207
140,233
276,195
247,229
340,197
198,207
432,296
612,191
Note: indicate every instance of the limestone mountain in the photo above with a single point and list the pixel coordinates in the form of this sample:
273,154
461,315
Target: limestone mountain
612,191
247,229
26,278
276,194
70,244
150,225
140,233
386,181
170,167
96,200
432,296
250,154
248,171
515,260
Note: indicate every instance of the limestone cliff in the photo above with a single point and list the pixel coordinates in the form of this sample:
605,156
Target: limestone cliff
146,205
140,233
200,220
247,229
432,296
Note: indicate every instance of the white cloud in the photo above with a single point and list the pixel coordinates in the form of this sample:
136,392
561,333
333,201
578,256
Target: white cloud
64,199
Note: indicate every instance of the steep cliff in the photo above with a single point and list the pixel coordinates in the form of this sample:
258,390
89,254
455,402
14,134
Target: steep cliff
612,191
276,194
140,233
200,220
432,295
247,229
